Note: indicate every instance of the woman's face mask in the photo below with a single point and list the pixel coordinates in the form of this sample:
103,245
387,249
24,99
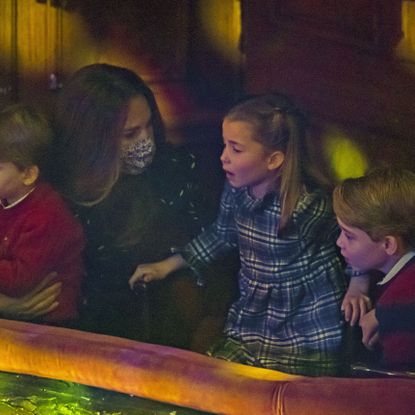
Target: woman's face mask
137,142
137,155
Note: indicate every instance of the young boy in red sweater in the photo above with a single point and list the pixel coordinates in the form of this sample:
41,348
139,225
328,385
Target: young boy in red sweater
38,233
376,214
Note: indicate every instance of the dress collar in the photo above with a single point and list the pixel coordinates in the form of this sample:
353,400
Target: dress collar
252,203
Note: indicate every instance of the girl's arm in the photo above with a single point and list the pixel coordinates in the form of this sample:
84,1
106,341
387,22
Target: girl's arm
202,250
157,270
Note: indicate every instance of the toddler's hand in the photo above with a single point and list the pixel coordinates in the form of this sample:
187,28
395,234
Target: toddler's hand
38,302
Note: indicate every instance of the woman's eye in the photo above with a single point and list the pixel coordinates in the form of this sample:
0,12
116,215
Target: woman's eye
130,134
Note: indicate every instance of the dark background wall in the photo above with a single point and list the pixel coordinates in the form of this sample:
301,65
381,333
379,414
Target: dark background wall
350,64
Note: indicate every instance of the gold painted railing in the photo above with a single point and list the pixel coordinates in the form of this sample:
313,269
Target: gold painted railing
189,379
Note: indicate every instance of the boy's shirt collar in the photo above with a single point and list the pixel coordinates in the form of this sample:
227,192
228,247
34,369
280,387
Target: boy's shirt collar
397,267
6,205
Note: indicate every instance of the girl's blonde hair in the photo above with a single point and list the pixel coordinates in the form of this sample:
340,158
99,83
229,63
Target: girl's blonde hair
380,203
279,126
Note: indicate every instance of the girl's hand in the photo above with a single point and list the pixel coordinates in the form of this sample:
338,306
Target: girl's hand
40,301
370,326
356,303
157,270
148,272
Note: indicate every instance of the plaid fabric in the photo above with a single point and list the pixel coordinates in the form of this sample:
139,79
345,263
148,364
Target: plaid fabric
312,365
291,284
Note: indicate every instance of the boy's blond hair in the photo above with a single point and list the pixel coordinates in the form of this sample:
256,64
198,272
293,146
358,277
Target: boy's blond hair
380,203
25,136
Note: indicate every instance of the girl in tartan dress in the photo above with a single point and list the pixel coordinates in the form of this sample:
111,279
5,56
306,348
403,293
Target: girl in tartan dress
291,280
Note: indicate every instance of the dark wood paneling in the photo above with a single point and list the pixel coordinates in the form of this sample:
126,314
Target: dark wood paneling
335,59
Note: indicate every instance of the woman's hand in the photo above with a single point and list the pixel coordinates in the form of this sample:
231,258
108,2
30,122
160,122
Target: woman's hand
40,301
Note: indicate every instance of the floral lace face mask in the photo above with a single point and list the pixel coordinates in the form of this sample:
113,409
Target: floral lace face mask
137,156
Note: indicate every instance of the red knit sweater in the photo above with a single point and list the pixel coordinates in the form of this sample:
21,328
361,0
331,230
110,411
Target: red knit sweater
40,235
395,311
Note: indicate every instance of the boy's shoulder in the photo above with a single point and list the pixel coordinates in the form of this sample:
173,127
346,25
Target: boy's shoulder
46,203
401,287
46,196
45,215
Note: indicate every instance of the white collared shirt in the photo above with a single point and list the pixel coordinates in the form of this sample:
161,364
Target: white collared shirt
16,202
397,267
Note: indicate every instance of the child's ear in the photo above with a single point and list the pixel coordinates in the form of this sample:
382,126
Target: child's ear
391,244
275,160
30,175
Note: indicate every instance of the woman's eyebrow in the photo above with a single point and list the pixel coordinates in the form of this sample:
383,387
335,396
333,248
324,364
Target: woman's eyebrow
132,128
138,126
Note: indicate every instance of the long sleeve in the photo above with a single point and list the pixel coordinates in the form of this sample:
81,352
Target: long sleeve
395,311
31,250
38,236
218,239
